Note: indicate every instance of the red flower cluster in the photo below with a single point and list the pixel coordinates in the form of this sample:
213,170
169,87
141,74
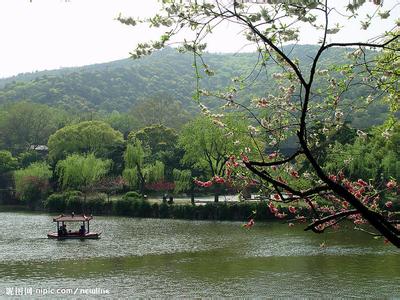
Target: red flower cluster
160,186
205,184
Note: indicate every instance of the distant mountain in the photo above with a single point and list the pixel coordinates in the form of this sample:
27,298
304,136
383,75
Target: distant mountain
120,84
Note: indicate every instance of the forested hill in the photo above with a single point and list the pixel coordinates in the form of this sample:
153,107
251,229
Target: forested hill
120,84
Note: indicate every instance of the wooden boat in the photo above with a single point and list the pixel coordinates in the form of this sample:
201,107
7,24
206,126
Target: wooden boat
83,233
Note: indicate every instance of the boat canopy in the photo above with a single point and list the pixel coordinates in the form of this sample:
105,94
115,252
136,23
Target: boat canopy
72,218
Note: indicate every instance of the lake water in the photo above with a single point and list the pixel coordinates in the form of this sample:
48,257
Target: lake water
176,258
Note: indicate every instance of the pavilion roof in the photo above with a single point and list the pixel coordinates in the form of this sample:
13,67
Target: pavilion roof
72,218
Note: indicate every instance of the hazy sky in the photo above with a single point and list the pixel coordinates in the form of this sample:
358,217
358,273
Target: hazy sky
49,34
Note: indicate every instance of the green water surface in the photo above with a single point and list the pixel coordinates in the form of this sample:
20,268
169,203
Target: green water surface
187,259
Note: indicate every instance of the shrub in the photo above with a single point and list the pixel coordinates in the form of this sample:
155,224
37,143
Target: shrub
132,195
32,183
122,207
74,201
163,210
96,203
56,202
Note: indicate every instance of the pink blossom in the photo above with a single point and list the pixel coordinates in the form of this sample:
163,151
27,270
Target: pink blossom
389,204
207,184
218,179
272,208
245,158
361,183
273,155
391,184
292,209
295,174
280,215
333,178
249,224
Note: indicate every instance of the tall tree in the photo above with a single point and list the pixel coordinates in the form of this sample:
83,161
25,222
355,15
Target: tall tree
86,137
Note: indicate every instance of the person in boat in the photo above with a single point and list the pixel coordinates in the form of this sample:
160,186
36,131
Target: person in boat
82,230
64,230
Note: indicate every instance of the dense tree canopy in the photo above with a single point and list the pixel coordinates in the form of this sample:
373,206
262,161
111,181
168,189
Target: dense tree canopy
26,125
85,137
158,89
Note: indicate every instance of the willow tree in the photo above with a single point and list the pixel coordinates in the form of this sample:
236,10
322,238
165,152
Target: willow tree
296,108
81,171
137,172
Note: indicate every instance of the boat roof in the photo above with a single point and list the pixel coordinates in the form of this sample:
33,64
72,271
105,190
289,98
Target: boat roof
72,218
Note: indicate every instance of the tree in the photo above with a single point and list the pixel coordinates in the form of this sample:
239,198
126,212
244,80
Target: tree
160,111
32,183
86,137
27,125
374,155
7,164
160,144
137,173
208,147
296,105
81,172
124,123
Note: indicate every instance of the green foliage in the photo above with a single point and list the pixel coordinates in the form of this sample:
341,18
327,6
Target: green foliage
131,177
375,156
85,137
7,162
156,138
32,183
208,146
132,195
73,201
132,207
56,203
134,155
26,125
134,158
154,172
161,111
161,144
388,72
182,179
121,122
119,85
28,157
81,171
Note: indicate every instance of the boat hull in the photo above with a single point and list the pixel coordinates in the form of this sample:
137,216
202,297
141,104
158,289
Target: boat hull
86,236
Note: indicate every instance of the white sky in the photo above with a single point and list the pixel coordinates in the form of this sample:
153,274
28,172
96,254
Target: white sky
49,34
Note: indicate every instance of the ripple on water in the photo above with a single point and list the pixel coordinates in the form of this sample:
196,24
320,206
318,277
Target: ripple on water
152,258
